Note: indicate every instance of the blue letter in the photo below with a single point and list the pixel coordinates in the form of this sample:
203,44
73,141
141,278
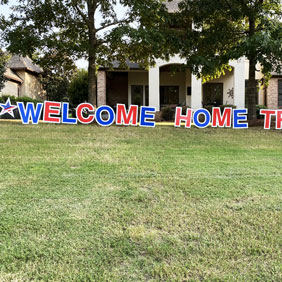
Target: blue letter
29,112
111,115
65,118
145,114
207,115
238,116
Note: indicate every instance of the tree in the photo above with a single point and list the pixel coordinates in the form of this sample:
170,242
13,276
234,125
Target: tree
231,29
78,88
58,70
3,57
3,61
72,26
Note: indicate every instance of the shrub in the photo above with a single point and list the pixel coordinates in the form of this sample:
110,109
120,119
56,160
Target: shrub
78,88
4,98
260,107
14,99
168,114
184,110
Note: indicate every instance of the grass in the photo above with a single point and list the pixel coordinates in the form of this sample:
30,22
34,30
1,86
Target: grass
83,203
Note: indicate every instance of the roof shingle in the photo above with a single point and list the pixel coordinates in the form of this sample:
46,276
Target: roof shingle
23,63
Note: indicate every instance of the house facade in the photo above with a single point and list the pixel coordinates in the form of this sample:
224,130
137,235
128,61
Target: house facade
166,84
23,78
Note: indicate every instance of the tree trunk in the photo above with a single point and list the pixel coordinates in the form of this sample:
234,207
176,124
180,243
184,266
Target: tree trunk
92,88
252,89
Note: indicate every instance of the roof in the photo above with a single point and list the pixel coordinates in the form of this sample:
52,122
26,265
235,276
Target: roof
23,63
9,74
172,6
117,65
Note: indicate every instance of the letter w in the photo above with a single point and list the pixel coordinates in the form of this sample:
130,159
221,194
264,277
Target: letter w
30,113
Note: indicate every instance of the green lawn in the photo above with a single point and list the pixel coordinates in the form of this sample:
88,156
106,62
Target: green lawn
84,203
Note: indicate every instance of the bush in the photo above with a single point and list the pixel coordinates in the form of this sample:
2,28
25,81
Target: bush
168,114
4,98
78,88
184,109
260,107
14,99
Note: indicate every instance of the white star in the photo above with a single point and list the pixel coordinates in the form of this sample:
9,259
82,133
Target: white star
7,108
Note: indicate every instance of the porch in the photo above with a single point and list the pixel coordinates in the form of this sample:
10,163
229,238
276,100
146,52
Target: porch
168,84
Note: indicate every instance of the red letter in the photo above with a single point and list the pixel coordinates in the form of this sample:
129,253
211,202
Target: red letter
52,108
267,119
126,119
79,113
179,117
224,120
279,119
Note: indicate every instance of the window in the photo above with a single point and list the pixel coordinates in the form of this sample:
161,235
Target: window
213,94
147,96
137,95
169,95
279,93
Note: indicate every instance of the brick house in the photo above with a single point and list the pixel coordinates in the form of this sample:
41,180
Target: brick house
274,92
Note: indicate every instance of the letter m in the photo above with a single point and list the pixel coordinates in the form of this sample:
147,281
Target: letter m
224,120
124,118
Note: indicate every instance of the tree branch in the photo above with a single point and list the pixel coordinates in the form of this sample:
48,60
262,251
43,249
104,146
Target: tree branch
112,24
84,17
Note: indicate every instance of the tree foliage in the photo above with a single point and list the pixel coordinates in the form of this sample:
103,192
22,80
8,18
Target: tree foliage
58,70
72,27
3,61
78,88
227,30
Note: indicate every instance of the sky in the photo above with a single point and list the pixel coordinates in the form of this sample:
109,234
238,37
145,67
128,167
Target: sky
6,11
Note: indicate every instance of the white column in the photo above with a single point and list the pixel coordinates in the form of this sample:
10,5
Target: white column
239,83
154,87
196,98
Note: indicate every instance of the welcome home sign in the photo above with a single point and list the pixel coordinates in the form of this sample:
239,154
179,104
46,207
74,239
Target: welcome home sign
58,113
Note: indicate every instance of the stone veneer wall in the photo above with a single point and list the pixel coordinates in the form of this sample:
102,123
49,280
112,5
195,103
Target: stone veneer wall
272,94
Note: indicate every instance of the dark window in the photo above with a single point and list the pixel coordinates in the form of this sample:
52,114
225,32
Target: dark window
147,96
189,91
279,93
169,95
137,95
213,94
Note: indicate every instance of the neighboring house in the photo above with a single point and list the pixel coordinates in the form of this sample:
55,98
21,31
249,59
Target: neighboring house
22,78
274,92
